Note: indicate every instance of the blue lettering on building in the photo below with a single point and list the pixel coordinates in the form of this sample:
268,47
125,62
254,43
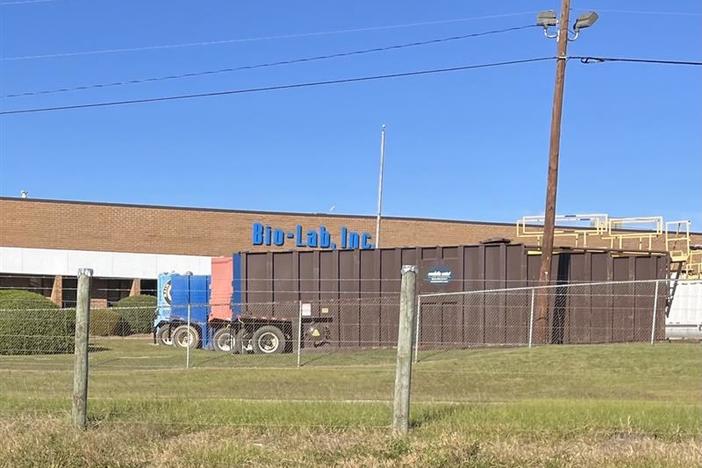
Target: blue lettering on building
320,238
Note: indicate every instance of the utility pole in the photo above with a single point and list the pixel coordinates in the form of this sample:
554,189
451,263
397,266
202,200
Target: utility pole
380,187
541,322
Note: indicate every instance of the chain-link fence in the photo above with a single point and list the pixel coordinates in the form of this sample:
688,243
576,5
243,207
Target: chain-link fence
333,362
324,362
608,312
604,344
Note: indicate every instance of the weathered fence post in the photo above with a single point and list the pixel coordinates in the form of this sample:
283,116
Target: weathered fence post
403,370
80,368
655,307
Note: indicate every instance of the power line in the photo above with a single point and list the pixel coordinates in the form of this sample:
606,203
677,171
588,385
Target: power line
648,12
262,38
24,2
272,64
276,87
591,59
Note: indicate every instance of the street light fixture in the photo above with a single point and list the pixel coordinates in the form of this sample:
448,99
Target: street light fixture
585,20
547,19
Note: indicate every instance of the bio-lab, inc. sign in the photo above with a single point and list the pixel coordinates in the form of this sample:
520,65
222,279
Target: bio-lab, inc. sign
262,234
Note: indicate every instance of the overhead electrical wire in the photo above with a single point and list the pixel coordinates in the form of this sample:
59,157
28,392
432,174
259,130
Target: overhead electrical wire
272,64
262,38
595,59
583,59
24,2
647,12
276,87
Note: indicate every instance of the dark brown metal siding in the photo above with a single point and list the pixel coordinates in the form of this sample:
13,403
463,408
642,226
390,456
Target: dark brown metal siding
474,310
369,307
348,295
516,307
623,301
329,294
359,292
600,307
390,265
578,318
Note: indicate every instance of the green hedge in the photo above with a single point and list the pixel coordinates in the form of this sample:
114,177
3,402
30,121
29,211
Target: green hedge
107,322
138,312
32,324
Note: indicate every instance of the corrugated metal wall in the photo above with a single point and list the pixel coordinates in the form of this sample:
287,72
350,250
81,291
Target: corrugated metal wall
347,286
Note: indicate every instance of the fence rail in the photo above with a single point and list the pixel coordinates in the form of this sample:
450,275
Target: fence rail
342,351
602,312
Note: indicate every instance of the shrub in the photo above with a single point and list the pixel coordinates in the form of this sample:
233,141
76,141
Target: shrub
107,322
138,312
32,324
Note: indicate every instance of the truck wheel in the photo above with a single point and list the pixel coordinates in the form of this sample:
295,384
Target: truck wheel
163,336
225,341
268,340
186,337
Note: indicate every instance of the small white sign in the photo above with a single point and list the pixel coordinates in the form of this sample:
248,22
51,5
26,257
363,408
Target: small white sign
439,276
306,310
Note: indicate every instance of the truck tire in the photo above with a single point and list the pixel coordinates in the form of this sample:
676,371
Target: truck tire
186,337
268,340
226,341
163,336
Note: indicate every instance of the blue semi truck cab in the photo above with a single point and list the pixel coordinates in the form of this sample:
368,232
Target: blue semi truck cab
182,310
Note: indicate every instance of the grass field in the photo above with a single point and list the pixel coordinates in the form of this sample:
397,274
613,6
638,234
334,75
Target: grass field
596,405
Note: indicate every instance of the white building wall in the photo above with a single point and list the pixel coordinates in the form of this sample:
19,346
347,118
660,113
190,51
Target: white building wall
25,261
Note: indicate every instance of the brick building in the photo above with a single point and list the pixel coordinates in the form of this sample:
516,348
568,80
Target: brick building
43,242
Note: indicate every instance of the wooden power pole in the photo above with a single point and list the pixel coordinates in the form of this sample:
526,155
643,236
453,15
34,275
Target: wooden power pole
541,326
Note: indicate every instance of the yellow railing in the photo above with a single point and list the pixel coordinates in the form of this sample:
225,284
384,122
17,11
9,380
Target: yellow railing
618,231
694,265
621,233
532,227
677,240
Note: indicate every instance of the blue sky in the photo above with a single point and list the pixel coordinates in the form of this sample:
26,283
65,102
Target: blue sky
465,145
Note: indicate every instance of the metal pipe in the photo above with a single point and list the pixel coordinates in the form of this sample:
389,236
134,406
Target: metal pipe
416,331
531,317
380,187
187,347
299,332
655,308
560,286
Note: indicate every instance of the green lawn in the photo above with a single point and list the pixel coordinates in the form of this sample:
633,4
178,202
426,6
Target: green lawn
628,404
